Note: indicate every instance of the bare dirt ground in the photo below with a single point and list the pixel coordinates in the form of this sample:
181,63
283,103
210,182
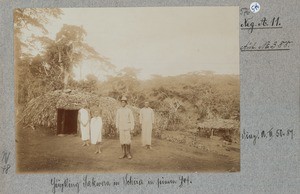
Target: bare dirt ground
39,151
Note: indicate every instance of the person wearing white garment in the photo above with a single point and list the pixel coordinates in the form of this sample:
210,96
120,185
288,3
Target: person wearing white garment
96,130
146,120
84,120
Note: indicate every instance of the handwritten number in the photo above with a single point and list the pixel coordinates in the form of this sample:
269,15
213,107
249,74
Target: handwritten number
5,158
5,168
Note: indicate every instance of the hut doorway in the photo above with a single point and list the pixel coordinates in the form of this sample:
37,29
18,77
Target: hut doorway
67,121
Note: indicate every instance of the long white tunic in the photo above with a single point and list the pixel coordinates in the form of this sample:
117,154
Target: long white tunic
146,120
125,124
84,124
96,130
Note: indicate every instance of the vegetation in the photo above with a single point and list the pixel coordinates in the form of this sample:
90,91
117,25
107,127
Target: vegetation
180,102
184,99
52,68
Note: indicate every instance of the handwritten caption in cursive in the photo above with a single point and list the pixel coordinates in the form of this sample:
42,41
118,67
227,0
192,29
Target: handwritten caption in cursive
250,24
5,165
267,134
267,46
61,185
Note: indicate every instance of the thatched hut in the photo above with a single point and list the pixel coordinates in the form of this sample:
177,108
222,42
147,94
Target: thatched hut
59,110
219,127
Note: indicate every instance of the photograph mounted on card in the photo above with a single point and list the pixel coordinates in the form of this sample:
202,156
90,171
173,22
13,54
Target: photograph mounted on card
112,90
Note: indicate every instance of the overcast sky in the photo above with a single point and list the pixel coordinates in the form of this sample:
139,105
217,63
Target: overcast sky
164,41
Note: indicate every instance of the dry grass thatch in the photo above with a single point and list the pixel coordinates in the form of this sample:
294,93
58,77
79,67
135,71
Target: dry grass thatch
228,129
43,109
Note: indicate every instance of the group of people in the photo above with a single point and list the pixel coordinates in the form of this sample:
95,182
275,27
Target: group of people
91,129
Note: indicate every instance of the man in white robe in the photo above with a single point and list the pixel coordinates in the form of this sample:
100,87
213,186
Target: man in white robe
146,120
125,126
84,120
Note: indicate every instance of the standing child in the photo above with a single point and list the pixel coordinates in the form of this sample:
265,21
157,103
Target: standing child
96,130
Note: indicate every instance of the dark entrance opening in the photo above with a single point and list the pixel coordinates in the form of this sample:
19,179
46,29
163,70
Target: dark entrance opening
67,121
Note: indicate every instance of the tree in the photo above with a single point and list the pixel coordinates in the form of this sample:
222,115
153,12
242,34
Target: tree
88,85
29,18
52,69
125,83
25,20
69,49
